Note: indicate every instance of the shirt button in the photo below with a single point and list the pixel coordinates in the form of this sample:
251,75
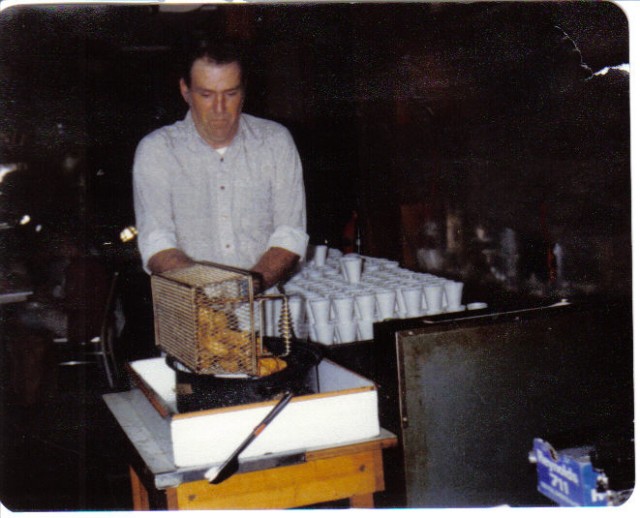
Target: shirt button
222,187
227,246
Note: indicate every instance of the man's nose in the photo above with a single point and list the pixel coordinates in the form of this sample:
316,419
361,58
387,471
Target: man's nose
219,104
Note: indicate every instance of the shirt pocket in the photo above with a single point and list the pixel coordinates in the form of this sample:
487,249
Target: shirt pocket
253,201
190,203
254,194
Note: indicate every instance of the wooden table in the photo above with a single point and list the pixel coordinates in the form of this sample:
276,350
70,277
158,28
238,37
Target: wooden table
283,480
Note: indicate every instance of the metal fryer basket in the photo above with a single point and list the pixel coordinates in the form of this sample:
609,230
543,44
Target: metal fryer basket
206,316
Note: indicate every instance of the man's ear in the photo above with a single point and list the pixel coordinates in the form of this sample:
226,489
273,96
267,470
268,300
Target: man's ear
186,93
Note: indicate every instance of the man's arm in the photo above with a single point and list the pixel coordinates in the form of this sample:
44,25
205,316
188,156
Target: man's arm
152,169
274,265
170,259
288,243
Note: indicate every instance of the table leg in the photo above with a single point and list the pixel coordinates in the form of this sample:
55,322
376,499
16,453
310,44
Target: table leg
138,492
362,501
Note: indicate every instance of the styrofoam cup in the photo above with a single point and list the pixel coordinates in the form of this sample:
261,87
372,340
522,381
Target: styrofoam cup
296,310
346,331
277,312
324,333
351,269
343,308
453,293
365,329
314,274
321,309
412,297
268,317
366,306
312,333
434,294
400,305
385,303
320,255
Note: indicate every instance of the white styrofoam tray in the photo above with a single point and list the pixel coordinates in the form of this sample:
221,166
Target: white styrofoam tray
344,409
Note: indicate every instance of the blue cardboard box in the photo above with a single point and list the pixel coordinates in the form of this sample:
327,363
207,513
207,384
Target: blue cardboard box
567,476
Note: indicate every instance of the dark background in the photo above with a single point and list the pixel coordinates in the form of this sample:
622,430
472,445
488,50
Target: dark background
457,114
483,111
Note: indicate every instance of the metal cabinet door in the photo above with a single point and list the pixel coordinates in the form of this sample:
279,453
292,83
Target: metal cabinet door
474,395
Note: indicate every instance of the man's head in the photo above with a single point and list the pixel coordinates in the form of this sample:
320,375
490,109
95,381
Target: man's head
213,85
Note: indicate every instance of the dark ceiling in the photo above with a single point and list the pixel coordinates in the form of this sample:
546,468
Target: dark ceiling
486,86
52,54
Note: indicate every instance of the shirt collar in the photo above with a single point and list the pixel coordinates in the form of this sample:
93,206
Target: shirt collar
195,141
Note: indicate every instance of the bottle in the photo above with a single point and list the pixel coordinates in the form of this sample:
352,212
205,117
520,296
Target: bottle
557,253
350,234
552,265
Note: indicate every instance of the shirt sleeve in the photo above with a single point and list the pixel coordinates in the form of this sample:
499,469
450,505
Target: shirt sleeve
152,197
290,218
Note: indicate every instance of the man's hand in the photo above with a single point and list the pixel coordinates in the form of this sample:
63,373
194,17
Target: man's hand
169,259
274,265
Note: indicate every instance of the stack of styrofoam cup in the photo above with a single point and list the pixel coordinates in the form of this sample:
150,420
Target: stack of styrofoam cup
337,298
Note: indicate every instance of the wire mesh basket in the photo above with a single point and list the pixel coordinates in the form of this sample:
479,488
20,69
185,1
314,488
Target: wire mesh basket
208,318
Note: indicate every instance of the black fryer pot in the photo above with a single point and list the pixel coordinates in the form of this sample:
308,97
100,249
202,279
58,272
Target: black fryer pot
204,391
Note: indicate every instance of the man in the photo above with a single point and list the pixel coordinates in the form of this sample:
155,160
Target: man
220,185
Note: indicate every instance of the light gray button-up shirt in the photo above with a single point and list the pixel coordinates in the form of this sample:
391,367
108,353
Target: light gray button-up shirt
226,209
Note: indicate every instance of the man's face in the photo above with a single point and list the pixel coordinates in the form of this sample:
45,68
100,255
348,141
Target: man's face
215,98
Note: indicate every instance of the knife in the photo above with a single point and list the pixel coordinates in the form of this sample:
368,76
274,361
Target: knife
220,473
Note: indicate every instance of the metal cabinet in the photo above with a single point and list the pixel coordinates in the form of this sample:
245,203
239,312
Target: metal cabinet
467,395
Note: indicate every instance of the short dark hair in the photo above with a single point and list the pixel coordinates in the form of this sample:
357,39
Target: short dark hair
218,51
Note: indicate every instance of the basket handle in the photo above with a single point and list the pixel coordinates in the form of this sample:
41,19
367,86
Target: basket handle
285,326
284,322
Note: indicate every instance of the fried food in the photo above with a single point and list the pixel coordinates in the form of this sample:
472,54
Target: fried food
270,365
210,321
215,346
234,338
221,345
224,348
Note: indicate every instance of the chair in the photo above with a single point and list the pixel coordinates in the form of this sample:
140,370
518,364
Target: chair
109,334
102,343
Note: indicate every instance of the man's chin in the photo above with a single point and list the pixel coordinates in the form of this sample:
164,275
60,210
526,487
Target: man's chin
218,135
219,139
